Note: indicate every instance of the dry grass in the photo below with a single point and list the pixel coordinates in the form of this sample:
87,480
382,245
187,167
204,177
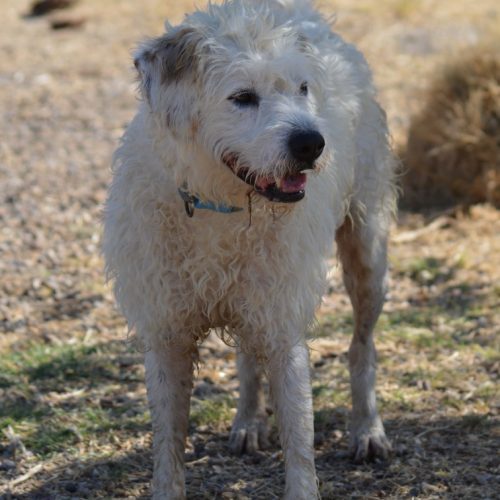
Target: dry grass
453,151
73,413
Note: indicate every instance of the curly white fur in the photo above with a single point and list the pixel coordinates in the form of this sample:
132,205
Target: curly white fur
259,276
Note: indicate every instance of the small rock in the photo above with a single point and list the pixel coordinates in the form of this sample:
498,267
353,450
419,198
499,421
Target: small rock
319,438
255,458
414,492
42,7
338,434
7,465
483,479
423,385
107,402
429,488
199,448
67,23
212,449
71,487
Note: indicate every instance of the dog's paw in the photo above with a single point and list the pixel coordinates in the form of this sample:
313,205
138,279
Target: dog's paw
370,443
249,435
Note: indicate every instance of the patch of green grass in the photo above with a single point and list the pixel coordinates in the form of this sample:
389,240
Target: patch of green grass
114,470
325,395
426,270
411,378
6,380
45,431
97,420
486,391
331,417
322,419
334,323
428,328
51,437
489,353
453,401
320,390
415,317
421,339
13,412
442,378
66,363
213,412
41,405
475,422
400,400
94,420
53,367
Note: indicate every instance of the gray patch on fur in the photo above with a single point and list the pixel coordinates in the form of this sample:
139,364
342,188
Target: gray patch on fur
173,55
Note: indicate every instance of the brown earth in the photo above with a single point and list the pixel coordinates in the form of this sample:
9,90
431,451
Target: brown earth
73,414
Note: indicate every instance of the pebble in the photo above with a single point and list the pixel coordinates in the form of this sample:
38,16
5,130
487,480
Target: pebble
7,465
71,487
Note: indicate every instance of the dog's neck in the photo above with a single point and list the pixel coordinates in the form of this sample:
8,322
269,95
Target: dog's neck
191,202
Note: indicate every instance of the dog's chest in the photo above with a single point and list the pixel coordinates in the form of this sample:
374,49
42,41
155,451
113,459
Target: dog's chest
227,269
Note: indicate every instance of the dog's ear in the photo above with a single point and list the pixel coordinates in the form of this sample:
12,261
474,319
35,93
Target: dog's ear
167,59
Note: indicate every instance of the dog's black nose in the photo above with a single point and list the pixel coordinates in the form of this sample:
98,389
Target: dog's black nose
306,145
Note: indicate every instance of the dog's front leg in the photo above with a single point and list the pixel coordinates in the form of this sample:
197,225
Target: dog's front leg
169,380
290,385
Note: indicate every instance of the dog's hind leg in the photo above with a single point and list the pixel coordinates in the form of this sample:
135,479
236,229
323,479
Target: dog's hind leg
362,247
169,380
290,384
249,431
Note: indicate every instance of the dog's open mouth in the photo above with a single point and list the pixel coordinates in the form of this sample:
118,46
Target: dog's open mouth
288,189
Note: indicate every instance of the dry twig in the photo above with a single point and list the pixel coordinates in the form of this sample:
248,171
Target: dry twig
408,236
34,470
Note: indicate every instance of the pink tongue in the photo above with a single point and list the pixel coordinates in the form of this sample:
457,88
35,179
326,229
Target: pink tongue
293,183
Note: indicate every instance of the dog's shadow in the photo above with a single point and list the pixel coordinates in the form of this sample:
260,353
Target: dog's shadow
429,453
427,457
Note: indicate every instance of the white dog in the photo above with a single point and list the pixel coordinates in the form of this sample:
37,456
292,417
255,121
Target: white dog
258,141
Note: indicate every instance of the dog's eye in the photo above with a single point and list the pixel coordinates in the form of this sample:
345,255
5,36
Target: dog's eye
303,88
245,98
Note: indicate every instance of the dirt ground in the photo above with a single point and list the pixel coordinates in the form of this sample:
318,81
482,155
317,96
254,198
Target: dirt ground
73,414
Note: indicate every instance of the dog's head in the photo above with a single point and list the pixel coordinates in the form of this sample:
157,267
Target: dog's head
240,96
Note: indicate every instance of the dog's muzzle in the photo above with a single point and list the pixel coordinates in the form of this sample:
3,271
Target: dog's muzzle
304,147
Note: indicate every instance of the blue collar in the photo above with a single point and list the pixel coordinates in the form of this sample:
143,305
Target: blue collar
191,202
